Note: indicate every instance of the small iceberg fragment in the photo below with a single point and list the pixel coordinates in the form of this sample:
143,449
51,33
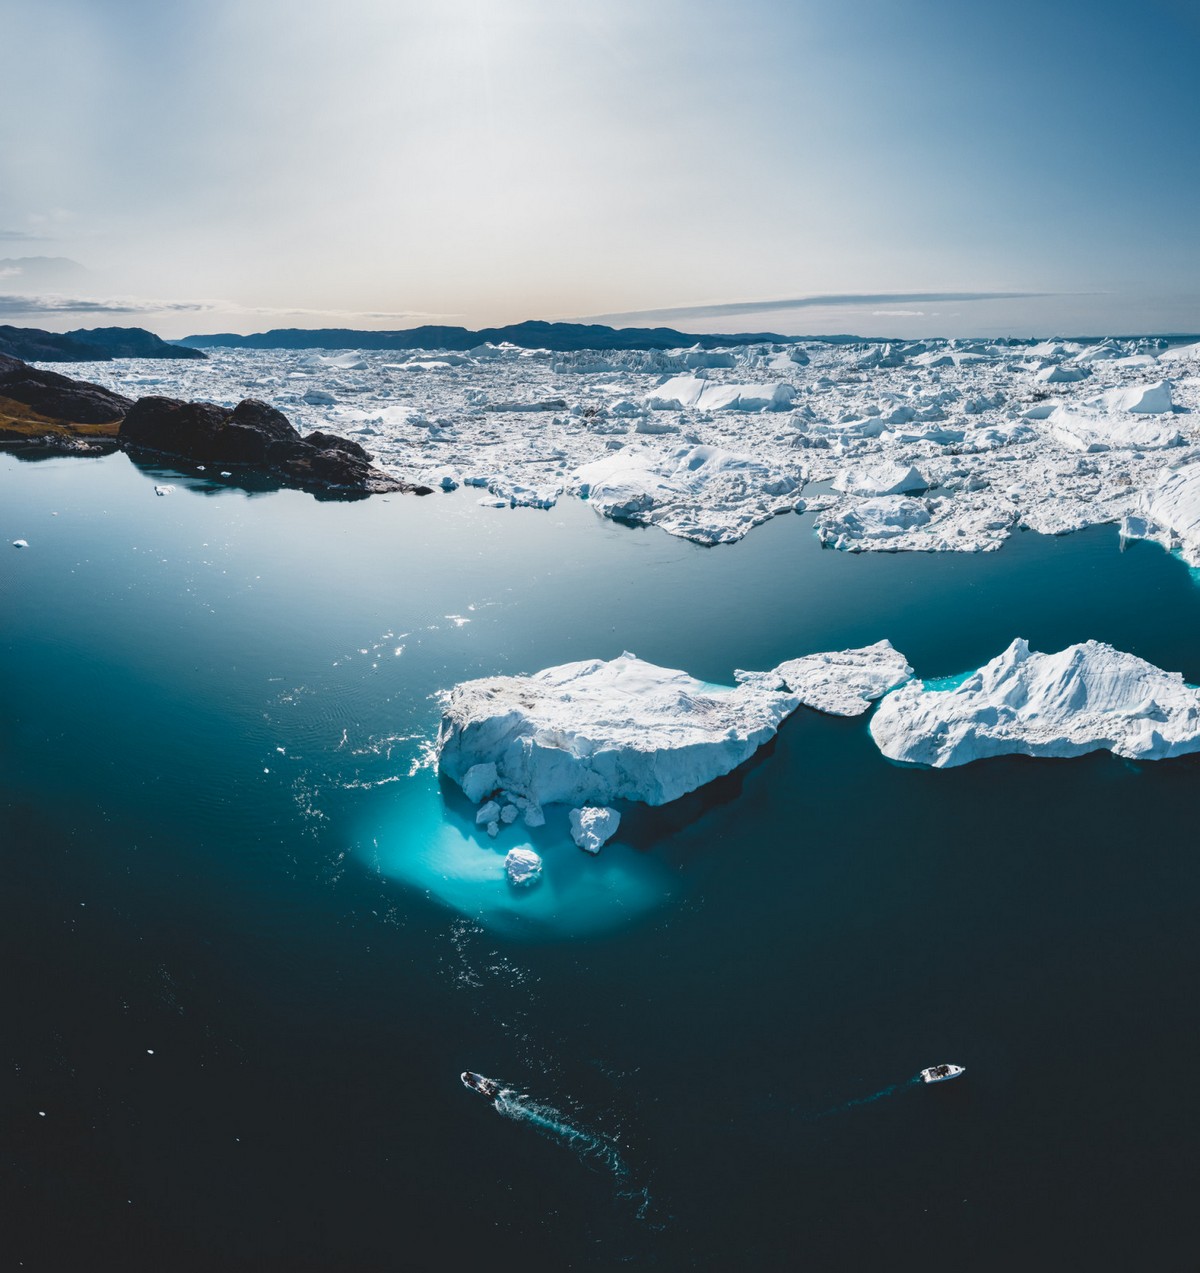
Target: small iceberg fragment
480,781
164,490
20,543
524,867
1088,697
592,828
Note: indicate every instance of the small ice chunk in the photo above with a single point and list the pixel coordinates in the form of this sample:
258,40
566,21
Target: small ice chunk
493,829
524,866
534,817
592,828
509,814
164,490
487,813
479,781
20,543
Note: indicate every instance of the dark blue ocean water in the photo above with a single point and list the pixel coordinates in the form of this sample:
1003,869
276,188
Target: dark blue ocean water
249,940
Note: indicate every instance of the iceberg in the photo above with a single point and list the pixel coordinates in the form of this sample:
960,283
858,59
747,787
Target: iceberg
523,866
702,394
1088,697
704,493
594,731
844,683
1169,513
592,828
969,522
880,479
1079,431
1151,399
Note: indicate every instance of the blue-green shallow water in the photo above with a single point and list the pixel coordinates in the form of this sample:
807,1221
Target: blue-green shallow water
699,1034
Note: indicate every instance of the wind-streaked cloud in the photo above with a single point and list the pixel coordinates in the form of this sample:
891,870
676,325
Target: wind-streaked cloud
78,305
734,309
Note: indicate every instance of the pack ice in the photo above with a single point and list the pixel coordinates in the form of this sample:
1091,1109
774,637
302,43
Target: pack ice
592,732
931,446
1088,697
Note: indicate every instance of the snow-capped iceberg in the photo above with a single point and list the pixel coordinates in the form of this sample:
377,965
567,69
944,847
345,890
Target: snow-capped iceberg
593,732
1088,697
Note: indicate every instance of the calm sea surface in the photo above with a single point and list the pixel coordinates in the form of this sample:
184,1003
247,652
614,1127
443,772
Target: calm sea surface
250,939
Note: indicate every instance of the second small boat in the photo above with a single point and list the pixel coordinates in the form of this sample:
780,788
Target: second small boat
942,1073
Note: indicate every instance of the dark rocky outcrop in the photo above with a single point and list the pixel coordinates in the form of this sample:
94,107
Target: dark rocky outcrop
255,434
55,413
43,412
94,344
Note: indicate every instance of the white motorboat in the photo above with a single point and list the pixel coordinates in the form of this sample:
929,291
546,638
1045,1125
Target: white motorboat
478,1083
938,1073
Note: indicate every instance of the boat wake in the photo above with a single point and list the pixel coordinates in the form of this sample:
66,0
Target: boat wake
882,1094
589,1147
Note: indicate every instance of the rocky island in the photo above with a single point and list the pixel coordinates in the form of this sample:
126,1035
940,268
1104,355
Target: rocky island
47,413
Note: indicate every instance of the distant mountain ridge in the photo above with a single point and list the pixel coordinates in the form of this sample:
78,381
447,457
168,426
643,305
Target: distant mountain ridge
88,344
560,337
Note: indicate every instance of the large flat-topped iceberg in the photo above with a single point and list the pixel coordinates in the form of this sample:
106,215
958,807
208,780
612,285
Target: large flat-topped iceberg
1088,697
596,731
843,683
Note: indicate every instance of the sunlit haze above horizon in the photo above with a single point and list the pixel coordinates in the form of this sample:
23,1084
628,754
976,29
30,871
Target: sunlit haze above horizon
913,167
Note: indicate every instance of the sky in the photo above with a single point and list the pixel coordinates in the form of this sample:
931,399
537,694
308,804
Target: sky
898,167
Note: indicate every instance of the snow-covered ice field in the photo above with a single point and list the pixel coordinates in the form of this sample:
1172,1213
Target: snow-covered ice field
926,446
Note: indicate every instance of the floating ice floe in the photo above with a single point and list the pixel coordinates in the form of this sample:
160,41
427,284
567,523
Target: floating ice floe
842,683
20,543
701,492
1081,431
164,490
1168,512
592,828
702,394
897,523
523,866
1088,697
